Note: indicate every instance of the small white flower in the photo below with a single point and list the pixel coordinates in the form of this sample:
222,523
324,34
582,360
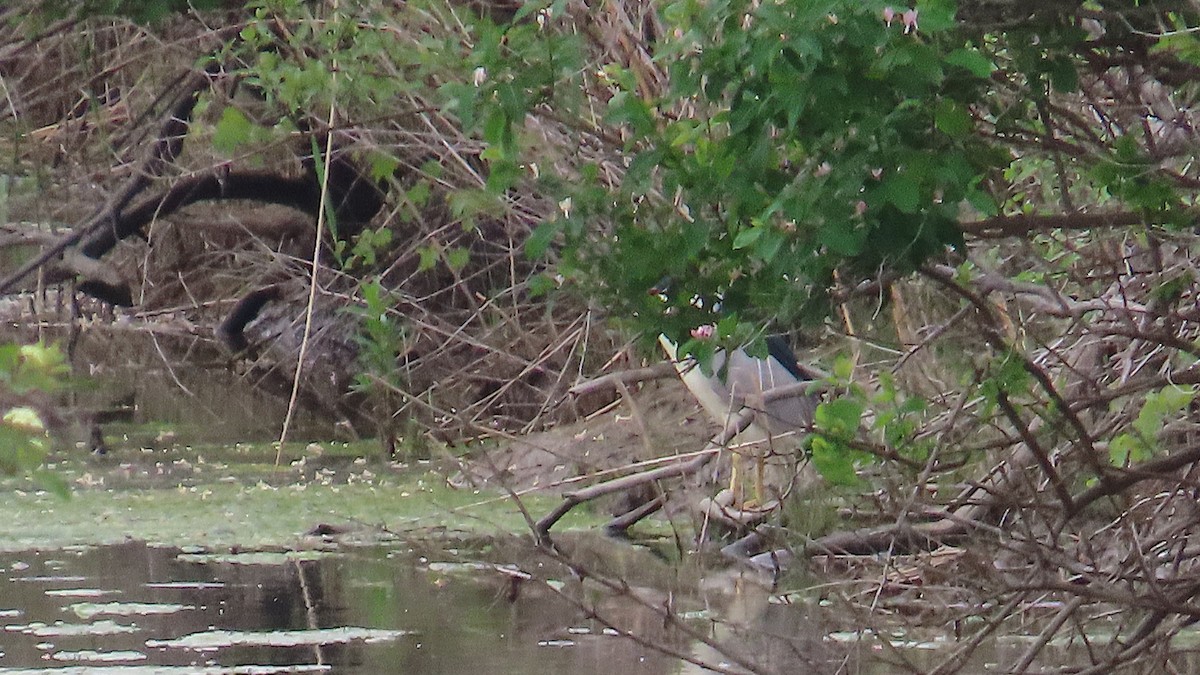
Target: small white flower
565,207
479,76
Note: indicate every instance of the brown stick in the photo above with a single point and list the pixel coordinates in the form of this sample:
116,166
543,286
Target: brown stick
606,382
1011,226
1155,468
627,520
1039,453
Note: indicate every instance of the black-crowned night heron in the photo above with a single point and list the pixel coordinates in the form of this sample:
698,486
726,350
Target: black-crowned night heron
741,381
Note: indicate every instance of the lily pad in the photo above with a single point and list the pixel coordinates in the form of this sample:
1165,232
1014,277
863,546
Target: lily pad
86,610
91,656
62,629
218,639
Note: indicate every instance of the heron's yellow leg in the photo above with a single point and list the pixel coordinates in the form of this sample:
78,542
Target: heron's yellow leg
759,479
735,477
740,474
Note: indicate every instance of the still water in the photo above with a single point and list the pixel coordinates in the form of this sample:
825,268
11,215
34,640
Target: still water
134,608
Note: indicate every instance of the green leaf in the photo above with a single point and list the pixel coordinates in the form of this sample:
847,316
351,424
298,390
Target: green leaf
526,9
982,202
1168,402
427,258
936,16
503,175
1126,449
418,194
903,192
842,238
383,165
461,98
972,60
627,108
769,244
539,240
232,130
458,257
1064,78
497,131
839,418
469,203
641,170
833,462
541,284
1182,43
1010,375
952,119
747,236
843,368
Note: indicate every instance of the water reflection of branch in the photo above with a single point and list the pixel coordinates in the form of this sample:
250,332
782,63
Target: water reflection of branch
310,611
621,588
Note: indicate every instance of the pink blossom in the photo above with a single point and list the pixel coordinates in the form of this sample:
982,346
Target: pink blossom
888,15
910,21
823,170
877,172
704,332
860,208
